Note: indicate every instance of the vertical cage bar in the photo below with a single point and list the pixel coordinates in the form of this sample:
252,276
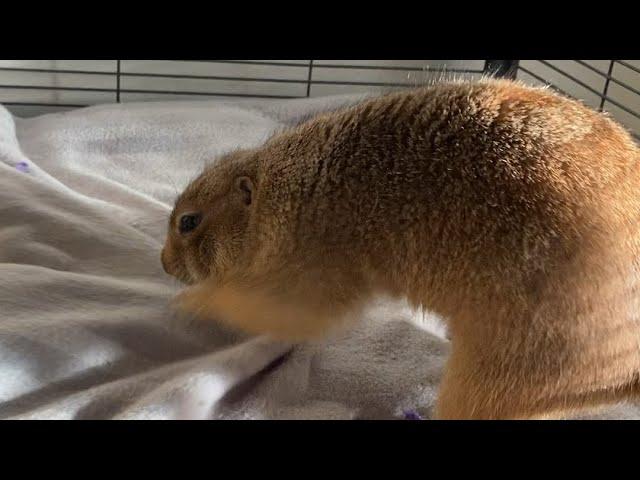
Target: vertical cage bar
606,86
118,81
309,78
501,68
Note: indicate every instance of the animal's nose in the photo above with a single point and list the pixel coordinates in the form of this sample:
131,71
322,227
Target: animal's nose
164,261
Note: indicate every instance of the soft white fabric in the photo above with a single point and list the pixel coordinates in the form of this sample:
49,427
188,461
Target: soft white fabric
85,328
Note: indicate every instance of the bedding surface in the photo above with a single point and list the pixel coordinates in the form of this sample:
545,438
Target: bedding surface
85,327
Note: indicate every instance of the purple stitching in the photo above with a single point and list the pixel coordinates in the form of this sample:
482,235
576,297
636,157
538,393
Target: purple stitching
411,415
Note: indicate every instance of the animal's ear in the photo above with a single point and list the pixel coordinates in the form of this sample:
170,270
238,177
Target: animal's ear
245,186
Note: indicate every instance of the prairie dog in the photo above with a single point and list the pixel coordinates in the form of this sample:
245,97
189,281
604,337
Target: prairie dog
509,210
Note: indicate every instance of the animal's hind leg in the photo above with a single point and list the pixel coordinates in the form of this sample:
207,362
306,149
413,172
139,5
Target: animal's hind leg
469,393
458,399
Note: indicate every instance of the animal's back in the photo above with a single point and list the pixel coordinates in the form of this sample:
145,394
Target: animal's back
494,172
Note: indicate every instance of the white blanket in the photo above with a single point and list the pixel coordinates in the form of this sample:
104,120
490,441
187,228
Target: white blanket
85,328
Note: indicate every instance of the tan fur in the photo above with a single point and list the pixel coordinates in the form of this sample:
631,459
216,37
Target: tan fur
510,211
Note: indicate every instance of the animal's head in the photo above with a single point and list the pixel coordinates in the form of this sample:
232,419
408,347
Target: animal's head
207,227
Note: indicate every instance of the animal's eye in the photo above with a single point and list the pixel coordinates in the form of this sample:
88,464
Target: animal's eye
189,222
